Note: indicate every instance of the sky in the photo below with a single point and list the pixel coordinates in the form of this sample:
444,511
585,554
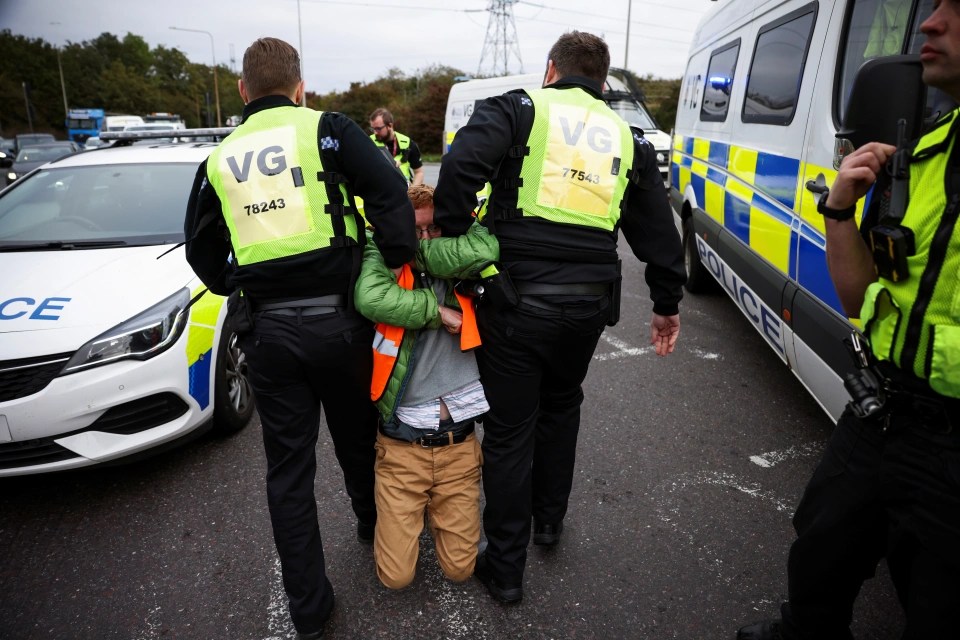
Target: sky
343,41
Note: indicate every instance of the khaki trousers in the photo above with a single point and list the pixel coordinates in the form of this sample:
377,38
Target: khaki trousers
444,482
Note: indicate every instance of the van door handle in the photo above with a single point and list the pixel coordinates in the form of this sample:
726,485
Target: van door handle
818,186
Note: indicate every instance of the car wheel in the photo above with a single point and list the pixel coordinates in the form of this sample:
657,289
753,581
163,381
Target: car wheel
698,279
233,396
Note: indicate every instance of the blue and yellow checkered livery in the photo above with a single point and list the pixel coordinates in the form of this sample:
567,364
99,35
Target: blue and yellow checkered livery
761,199
201,333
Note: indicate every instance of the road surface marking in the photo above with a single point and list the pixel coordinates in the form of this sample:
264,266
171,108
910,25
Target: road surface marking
623,350
278,620
772,458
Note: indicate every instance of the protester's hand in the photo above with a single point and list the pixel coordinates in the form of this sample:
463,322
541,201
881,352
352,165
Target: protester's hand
858,172
664,331
451,318
396,272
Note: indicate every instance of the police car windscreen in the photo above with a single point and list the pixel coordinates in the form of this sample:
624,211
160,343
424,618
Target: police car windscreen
129,203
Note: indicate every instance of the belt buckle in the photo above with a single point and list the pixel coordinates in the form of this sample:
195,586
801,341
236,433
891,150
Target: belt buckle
431,440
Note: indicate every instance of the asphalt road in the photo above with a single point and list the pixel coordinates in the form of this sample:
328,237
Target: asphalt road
689,468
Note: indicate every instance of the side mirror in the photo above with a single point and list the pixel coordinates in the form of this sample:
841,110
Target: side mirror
886,90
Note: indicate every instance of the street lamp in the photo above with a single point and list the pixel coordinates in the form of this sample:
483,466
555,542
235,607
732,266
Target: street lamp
303,99
63,86
216,87
626,48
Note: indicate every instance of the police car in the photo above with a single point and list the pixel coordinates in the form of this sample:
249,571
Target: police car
109,344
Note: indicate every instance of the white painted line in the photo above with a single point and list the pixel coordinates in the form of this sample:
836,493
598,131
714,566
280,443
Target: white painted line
672,514
462,617
706,355
278,616
772,458
152,625
623,350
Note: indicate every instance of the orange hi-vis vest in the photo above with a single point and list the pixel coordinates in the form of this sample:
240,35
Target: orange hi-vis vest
388,337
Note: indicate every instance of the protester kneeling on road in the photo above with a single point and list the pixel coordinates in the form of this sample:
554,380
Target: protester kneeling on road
427,387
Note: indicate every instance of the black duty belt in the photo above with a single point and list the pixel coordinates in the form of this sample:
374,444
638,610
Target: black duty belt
939,414
441,439
544,289
318,306
530,293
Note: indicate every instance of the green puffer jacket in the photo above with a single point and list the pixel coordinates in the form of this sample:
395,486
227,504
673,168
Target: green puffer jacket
381,299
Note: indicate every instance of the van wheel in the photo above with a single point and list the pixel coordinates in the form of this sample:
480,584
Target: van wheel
698,280
233,397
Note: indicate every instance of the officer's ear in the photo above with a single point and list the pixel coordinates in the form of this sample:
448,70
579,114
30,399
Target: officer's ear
551,74
243,91
298,94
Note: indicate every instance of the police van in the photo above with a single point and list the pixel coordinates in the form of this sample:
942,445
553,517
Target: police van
618,93
766,89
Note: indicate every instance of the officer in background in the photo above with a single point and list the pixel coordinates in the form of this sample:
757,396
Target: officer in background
566,174
279,189
403,150
889,482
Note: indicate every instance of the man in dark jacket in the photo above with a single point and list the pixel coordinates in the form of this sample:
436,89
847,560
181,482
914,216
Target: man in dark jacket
271,220
566,173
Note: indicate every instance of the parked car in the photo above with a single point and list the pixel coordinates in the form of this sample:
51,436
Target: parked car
110,347
29,139
31,157
7,147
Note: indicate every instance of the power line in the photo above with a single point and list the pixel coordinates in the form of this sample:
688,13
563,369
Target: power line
393,6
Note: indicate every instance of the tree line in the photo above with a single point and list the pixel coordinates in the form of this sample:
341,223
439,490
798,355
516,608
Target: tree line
126,75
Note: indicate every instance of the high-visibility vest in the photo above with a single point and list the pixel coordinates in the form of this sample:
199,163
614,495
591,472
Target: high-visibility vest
581,154
403,160
388,338
915,322
267,176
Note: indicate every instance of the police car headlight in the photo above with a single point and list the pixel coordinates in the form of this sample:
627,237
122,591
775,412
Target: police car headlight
139,338
11,176
661,157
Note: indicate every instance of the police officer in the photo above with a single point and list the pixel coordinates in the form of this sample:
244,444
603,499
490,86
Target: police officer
271,218
566,174
889,482
399,146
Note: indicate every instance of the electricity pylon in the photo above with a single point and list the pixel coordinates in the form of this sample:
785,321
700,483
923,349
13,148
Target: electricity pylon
501,41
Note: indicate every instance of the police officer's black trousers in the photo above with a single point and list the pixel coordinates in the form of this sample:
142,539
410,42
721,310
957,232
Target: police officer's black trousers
875,494
296,366
532,364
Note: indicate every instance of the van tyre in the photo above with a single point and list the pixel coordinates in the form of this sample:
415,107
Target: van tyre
233,403
698,279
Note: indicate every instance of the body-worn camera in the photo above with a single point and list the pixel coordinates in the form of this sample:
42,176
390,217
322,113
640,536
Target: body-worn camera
891,246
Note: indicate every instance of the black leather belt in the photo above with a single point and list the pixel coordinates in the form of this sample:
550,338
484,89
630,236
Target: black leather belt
319,306
442,439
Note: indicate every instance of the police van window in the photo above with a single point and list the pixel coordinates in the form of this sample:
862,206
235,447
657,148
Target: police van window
716,91
773,82
874,28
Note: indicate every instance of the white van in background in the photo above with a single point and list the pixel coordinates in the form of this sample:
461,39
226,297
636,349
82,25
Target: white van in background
464,97
763,120
120,122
